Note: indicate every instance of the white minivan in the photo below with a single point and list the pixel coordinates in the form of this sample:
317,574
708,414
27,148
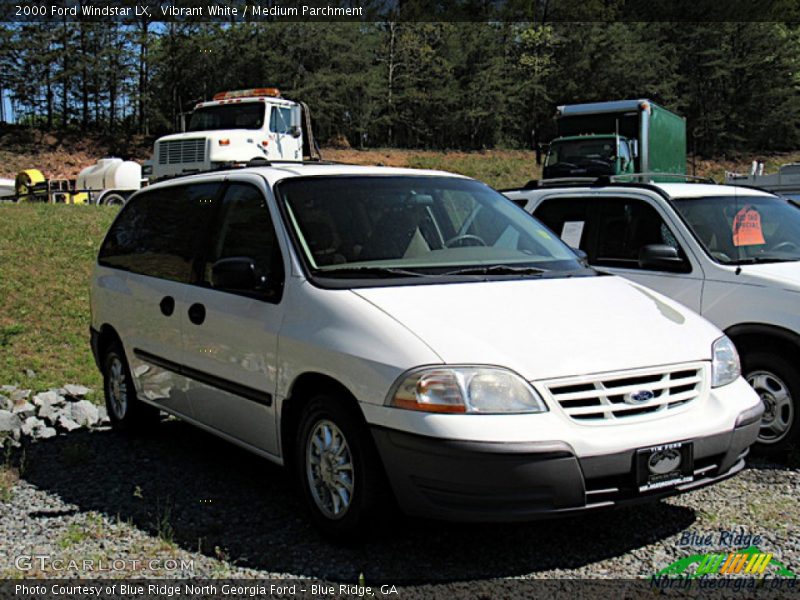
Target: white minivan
730,253
408,335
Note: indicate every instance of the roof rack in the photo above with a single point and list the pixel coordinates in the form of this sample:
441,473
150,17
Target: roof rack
639,176
556,181
608,180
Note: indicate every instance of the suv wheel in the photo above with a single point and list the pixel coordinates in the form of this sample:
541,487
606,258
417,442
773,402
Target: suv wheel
778,385
125,411
340,476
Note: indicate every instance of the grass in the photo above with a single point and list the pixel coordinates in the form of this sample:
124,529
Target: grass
498,168
46,257
92,528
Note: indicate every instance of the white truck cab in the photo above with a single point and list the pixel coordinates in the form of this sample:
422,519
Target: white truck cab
730,253
235,127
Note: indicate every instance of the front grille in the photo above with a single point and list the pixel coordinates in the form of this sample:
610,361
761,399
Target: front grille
173,152
606,398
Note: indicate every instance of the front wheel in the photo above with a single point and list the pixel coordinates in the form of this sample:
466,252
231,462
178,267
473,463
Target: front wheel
337,470
778,386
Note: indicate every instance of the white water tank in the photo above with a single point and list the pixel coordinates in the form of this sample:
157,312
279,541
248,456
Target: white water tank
111,174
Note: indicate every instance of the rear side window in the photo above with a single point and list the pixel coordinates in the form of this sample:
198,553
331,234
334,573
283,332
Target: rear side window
157,232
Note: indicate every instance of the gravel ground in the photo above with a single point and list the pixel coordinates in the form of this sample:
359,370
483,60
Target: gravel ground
182,495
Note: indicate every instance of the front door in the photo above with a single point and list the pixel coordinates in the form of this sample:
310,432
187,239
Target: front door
231,335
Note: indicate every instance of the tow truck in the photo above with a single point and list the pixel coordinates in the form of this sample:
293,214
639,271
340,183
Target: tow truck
252,126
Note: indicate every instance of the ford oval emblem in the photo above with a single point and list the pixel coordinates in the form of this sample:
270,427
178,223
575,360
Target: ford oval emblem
664,461
639,397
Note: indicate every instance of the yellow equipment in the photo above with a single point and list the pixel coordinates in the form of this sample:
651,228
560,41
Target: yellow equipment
30,185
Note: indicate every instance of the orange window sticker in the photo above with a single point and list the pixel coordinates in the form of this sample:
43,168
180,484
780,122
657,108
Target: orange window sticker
747,228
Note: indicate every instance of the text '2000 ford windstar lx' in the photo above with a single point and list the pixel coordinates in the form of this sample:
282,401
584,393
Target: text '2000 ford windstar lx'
408,332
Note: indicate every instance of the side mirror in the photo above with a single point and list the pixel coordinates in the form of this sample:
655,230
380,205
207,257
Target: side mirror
635,148
580,253
236,273
662,258
296,122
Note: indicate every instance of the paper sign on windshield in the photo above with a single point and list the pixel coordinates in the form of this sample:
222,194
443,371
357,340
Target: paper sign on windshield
571,233
747,228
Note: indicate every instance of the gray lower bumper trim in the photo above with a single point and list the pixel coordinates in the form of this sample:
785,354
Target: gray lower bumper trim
480,481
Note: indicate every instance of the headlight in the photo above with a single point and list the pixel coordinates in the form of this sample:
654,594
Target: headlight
725,366
466,390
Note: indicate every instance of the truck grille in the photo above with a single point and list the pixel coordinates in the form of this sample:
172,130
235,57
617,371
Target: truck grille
173,152
608,397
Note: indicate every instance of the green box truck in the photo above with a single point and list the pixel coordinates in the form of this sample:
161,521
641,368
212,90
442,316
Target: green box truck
616,138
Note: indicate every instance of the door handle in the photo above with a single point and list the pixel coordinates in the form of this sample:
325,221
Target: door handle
167,305
197,313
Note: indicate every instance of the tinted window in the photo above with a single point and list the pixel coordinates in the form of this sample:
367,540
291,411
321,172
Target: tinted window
245,230
567,218
156,233
624,226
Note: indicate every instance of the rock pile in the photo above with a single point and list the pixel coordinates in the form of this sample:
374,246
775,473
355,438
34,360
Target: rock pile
46,414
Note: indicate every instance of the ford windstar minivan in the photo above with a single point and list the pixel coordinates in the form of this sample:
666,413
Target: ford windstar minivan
391,332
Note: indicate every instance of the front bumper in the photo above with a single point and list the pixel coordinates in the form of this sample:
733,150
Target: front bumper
489,481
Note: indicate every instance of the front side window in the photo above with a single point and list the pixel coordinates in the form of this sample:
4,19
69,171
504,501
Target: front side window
156,233
612,231
744,229
624,151
245,115
280,119
245,230
625,226
346,226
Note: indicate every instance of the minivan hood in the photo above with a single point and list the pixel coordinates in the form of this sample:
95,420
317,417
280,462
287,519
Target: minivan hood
783,274
546,328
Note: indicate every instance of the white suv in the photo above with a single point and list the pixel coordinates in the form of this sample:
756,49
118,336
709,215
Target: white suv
408,331
730,253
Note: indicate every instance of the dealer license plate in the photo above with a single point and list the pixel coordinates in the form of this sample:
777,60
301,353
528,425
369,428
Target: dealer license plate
664,466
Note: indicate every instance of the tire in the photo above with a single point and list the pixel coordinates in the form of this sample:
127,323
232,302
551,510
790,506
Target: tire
113,199
778,385
125,411
361,495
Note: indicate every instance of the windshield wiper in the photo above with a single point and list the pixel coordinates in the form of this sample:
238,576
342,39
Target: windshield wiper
374,271
496,270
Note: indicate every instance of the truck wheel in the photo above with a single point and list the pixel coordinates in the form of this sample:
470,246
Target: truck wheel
113,199
778,385
125,411
337,469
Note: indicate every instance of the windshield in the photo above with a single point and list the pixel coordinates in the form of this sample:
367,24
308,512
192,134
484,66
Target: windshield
247,115
578,153
405,226
744,229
